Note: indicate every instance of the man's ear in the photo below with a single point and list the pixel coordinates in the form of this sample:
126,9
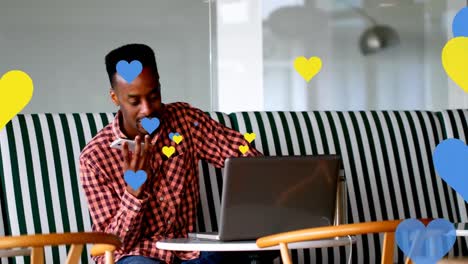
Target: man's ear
114,97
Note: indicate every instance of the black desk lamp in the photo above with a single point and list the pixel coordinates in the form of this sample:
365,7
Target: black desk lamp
377,37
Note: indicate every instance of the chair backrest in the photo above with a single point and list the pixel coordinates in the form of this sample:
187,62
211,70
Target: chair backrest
388,228
107,242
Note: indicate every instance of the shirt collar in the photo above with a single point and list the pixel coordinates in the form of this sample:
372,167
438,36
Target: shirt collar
117,125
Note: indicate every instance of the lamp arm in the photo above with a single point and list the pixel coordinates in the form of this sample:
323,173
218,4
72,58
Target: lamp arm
361,12
364,14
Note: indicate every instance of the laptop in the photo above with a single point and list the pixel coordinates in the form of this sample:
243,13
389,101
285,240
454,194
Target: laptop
268,195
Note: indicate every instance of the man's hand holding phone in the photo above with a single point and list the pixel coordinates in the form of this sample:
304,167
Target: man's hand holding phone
135,162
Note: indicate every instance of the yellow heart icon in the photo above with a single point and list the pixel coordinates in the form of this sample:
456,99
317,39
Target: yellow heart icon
307,68
455,61
177,139
168,151
249,137
243,149
16,90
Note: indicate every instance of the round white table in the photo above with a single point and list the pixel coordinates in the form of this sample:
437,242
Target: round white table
197,244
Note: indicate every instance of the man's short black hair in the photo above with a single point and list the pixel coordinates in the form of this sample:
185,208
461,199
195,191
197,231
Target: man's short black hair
130,52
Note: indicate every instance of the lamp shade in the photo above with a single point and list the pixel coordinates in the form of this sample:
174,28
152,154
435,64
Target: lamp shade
377,38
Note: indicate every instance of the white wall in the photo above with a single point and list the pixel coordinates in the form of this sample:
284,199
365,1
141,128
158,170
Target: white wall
458,98
239,56
408,76
62,44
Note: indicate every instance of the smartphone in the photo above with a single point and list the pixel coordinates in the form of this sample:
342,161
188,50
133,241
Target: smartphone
118,144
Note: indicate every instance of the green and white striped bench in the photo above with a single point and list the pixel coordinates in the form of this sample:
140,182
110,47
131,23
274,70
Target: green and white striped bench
387,162
456,122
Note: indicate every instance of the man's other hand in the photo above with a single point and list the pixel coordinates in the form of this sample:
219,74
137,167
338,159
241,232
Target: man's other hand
137,161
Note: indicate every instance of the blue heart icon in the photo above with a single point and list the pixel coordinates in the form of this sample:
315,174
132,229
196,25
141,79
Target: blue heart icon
129,71
451,163
460,23
135,179
425,245
150,125
171,135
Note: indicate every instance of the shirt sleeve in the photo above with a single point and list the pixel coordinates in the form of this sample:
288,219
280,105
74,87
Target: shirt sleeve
214,142
110,213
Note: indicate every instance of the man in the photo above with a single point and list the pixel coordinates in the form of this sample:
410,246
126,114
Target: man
165,205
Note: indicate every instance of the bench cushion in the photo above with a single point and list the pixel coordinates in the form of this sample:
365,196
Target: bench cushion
387,160
40,190
455,125
39,177
211,183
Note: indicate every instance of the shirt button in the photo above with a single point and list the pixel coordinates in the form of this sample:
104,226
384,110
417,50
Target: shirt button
135,208
169,221
126,229
161,199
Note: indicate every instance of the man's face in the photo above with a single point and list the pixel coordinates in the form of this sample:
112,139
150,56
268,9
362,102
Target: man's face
139,99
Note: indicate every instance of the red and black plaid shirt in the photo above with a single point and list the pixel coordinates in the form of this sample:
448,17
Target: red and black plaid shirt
168,207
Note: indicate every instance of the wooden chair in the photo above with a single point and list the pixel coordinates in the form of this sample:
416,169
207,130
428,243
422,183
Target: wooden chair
386,227
105,245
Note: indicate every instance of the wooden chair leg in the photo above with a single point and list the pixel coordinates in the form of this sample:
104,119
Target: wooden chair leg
74,254
285,254
37,255
109,257
387,248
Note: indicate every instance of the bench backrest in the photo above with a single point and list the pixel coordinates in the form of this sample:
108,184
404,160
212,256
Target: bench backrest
387,162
